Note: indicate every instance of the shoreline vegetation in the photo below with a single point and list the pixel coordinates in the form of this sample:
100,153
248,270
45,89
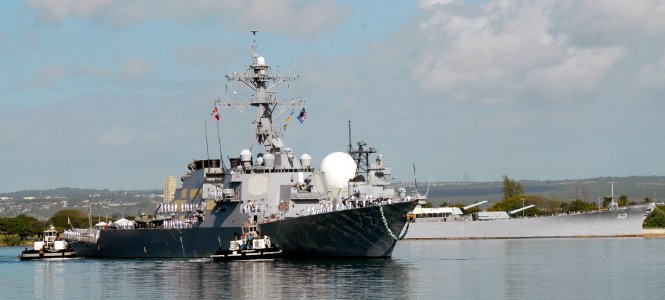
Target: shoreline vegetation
22,230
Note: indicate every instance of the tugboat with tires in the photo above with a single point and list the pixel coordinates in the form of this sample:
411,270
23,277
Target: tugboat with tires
250,246
50,246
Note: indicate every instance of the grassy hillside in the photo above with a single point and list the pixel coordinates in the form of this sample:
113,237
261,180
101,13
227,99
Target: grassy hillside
635,187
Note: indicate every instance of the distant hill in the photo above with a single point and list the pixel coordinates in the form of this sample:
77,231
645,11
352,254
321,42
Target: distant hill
98,202
122,203
636,188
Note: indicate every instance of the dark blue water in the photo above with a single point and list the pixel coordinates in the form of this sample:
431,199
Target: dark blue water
486,269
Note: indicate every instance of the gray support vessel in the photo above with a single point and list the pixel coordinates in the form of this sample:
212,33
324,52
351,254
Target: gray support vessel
450,223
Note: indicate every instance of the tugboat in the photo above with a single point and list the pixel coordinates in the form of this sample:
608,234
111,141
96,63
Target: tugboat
250,246
49,247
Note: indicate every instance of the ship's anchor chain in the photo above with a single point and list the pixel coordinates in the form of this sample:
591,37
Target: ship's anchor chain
385,223
405,231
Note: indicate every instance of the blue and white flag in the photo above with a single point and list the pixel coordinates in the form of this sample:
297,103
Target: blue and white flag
302,116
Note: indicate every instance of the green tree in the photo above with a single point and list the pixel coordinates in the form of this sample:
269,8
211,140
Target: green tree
511,188
515,203
623,200
68,218
656,219
427,205
579,205
607,201
11,240
25,226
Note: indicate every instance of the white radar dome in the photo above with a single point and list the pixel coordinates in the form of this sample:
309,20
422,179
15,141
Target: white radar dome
339,168
245,155
306,160
268,160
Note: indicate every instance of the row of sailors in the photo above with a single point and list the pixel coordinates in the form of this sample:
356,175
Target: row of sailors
247,208
365,203
327,207
180,224
174,207
87,235
322,208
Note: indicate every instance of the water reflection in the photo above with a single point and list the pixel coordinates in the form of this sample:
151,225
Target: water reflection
489,269
204,279
48,279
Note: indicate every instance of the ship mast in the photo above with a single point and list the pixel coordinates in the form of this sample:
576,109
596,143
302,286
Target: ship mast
261,81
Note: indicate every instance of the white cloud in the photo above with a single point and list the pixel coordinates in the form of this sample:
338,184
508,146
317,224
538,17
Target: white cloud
579,71
297,18
503,41
57,10
429,3
502,51
614,18
652,75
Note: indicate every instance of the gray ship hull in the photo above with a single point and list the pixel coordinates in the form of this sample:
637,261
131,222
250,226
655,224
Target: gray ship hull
347,233
217,230
624,222
156,243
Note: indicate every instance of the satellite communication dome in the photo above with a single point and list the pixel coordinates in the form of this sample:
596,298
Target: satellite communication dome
268,160
306,160
245,155
339,168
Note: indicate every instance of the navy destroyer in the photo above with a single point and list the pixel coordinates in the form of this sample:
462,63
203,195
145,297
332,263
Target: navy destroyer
340,210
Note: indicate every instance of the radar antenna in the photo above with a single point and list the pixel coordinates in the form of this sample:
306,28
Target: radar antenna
258,77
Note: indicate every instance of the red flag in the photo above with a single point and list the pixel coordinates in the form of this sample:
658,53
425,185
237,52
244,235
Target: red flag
215,113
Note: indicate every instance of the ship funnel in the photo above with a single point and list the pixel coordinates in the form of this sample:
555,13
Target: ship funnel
269,160
305,160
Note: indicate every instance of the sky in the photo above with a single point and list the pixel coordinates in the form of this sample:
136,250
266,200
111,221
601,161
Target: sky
118,94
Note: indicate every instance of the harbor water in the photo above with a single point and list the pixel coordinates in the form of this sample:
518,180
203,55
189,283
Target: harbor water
603,268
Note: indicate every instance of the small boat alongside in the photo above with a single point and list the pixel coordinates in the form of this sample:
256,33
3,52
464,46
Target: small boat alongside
50,246
250,246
